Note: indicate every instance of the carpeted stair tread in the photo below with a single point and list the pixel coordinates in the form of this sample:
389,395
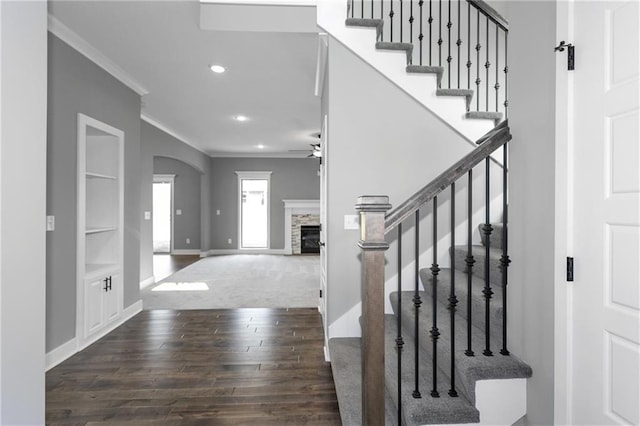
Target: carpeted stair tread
496,235
425,410
477,298
368,23
486,115
346,365
479,255
426,69
468,369
468,94
388,45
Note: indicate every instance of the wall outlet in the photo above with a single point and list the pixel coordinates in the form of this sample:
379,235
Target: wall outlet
351,221
147,215
229,241
179,212
51,223
217,212
188,240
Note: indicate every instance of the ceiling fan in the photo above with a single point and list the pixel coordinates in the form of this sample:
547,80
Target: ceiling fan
313,152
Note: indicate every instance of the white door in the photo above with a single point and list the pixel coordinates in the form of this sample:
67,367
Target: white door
112,298
93,305
604,328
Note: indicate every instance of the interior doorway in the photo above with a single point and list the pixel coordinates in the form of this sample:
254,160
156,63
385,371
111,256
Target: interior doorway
163,213
254,194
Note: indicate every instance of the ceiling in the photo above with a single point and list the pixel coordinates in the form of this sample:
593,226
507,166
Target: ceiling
270,76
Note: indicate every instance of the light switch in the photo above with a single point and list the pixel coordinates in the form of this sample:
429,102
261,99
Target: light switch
51,223
217,212
147,215
179,212
188,240
351,221
229,241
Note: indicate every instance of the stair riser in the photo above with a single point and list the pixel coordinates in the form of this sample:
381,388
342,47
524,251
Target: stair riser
495,271
495,238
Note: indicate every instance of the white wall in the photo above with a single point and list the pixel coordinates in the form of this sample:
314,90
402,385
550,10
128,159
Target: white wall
23,118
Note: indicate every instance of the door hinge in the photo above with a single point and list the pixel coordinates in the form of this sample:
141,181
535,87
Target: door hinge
321,294
569,268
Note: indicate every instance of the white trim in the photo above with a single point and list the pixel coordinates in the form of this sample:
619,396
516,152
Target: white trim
254,175
61,353
157,124
186,251
321,63
214,154
147,282
67,35
292,207
217,252
563,292
311,3
170,179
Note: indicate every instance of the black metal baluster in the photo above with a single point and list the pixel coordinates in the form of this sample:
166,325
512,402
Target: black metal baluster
478,47
371,9
449,46
382,18
391,22
453,300
468,47
421,36
487,292
352,8
362,9
506,75
458,43
401,19
411,22
434,272
417,301
469,260
399,339
504,259
430,29
439,33
487,65
497,86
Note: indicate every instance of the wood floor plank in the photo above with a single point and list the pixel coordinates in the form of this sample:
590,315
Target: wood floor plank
210,367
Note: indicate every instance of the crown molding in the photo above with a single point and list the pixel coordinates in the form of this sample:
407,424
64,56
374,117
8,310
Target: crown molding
67,35
155,123
257,155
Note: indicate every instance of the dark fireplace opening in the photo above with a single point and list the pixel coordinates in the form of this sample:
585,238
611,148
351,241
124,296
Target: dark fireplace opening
310,239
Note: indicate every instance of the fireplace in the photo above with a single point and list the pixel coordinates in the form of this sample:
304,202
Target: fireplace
309,239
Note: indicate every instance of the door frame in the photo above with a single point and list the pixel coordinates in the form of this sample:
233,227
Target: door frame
253,175
171,179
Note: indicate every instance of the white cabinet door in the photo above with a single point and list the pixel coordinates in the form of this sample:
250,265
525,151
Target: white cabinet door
93,306
112,298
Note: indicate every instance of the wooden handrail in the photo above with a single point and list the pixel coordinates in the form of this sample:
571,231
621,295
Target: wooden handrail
491,141
491,13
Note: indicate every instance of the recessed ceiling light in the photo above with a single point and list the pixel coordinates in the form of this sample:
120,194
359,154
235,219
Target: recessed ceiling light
260,146
218,69
241,117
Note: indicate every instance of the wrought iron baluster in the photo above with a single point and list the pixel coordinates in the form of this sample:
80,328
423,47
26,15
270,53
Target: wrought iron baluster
440,33
391,21
399,339
371,9
469,260
352,7
434,272
487,65
411,22
417,301
469,47
401,19
487,292
449,46
506,75
504,259
382,18
497,86
453,300
478,47
361,8
421,36
458,43
430,29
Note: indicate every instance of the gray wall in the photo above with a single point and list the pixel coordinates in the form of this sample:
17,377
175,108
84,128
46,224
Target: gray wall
78,85
380,142
532,89
23,109
186,197
155,142
292,178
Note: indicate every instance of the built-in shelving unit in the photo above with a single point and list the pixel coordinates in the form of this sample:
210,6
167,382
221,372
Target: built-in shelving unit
100,226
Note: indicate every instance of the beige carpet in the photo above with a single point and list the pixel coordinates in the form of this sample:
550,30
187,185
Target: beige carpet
239,281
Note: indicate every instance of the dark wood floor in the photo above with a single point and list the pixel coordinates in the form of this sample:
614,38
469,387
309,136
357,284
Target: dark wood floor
166,264
241,366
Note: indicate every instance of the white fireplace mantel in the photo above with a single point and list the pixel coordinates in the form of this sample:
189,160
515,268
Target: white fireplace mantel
293,207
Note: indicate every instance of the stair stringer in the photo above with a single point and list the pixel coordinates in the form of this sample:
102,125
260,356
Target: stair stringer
392,64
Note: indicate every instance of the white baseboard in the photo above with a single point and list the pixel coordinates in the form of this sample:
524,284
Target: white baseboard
186,251
59,354
147,282
217,252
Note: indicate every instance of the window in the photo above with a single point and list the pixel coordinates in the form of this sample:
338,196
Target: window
254,205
